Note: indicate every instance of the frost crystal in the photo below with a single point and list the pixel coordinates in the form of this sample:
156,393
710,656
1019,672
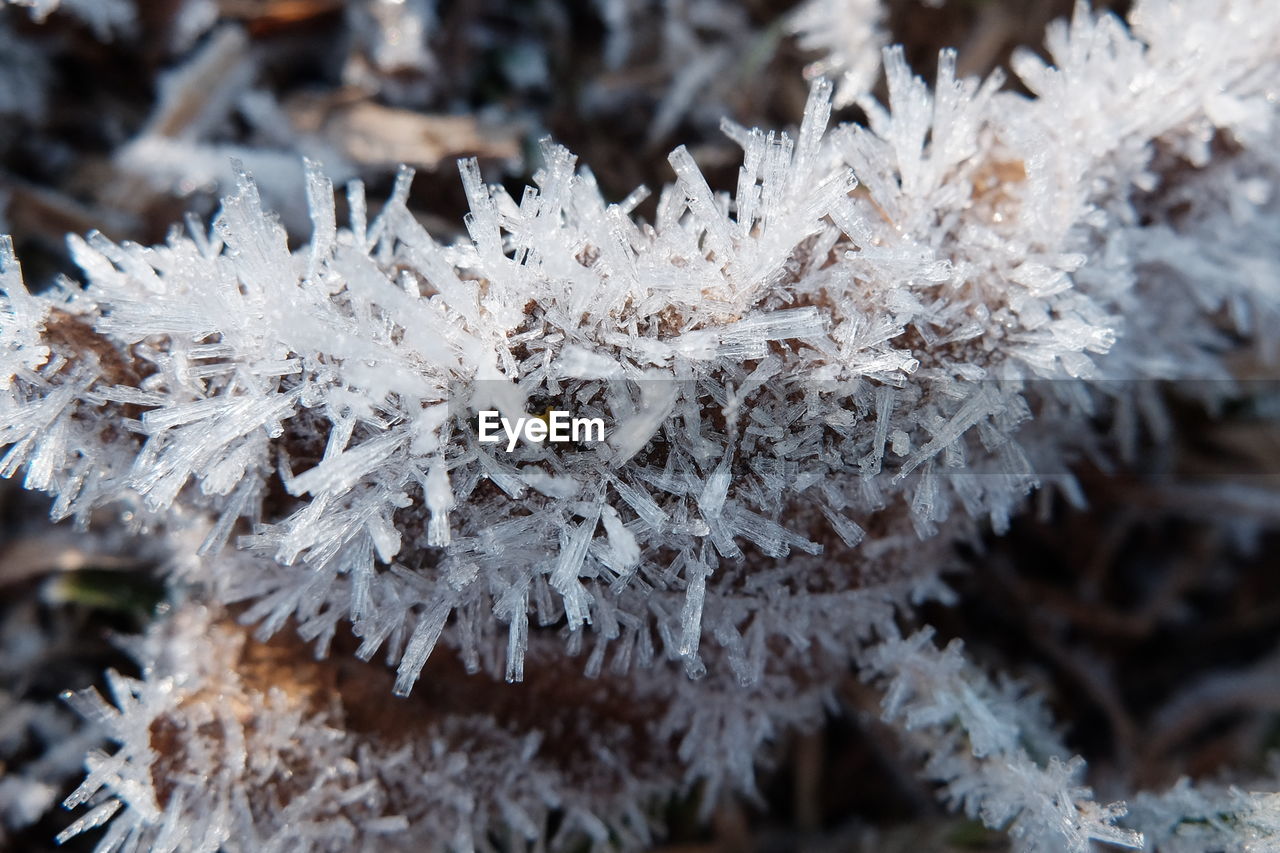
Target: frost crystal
849,35
887,337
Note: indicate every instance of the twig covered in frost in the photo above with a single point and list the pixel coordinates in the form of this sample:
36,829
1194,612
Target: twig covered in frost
1189,817
990,747
229,744
886,337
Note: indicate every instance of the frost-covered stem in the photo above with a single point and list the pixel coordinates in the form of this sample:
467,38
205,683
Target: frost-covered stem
990,747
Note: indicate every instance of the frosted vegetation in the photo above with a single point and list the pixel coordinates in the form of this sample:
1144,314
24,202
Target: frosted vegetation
881,343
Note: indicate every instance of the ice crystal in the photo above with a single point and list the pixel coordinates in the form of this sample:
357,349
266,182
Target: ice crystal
849,35
1210,816
991,748
227,744
887,337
